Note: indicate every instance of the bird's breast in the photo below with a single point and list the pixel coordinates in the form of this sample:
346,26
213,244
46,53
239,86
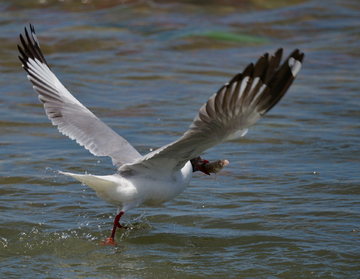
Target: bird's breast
163,187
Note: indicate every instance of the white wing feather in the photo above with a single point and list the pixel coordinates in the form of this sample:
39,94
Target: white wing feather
238,105
67,113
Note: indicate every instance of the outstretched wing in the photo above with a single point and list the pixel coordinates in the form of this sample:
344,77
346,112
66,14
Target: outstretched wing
67,113
228,113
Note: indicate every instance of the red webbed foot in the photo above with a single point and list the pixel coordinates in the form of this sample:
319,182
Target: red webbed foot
108,241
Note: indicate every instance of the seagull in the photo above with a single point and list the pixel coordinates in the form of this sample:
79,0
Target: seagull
162,174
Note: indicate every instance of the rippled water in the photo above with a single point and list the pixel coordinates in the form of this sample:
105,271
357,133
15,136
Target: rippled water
287,206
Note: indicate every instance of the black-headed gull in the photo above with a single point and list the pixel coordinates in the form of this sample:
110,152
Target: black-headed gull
162,174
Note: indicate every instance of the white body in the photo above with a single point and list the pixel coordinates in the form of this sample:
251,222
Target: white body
150,188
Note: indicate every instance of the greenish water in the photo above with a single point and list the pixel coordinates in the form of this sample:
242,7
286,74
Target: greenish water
287,206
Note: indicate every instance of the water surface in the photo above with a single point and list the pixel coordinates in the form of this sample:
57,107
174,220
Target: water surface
287,206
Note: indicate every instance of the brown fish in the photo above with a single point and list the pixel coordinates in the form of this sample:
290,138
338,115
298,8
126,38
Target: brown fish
213,167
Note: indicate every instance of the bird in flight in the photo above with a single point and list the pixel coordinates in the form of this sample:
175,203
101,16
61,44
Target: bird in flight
162,174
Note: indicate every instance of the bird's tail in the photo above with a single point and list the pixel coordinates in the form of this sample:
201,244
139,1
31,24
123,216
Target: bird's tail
98,183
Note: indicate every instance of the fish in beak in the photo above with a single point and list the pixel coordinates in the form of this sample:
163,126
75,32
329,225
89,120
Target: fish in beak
200,164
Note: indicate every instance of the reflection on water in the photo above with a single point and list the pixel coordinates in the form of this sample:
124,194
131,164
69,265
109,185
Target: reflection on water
287,205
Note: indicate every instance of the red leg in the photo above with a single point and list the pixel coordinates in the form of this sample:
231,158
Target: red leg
110,241
116,224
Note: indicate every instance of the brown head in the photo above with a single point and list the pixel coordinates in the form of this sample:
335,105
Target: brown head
198,164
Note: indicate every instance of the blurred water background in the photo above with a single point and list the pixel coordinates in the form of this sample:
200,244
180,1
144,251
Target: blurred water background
287,206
